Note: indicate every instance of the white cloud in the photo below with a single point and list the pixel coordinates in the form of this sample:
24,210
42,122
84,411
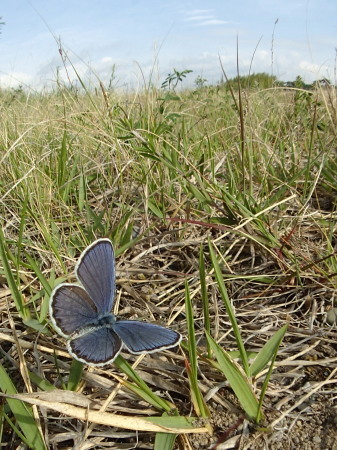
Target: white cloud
202,18
70,73
213,22
15,79
107,60
195,12
199,17
310,67
321,71
262,55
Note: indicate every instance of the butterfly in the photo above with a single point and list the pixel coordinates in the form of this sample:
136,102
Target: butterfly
82,313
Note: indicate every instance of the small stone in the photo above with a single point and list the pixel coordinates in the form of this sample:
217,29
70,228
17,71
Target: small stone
331,316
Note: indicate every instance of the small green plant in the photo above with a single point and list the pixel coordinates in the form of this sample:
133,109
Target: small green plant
25,425
241,378
200,82
173,79
1,23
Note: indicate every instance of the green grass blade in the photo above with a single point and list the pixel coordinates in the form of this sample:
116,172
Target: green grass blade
238,381
82,186
156,401
75,375
22,412
50,236
277,339
41,383
192,346
164,441
268,351
2,421
192,370
16,294
201,196
229,309
69,185
62,161
145,394
154,208
23,216
16,430
127,235
204,297
174,421
46,286
39,274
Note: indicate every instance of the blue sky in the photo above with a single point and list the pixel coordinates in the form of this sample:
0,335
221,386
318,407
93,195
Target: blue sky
142,36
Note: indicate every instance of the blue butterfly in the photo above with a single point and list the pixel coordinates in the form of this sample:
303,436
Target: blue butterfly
82,313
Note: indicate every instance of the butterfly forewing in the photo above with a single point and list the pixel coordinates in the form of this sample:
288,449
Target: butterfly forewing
96,272
142,337
97,348
71,308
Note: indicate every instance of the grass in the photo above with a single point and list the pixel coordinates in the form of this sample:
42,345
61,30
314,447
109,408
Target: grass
222,211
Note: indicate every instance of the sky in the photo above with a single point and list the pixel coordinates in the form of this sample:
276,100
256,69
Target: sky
133,41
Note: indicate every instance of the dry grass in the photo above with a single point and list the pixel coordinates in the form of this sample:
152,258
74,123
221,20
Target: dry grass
160,178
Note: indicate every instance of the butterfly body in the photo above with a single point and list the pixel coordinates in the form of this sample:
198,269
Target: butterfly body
106,321
82,313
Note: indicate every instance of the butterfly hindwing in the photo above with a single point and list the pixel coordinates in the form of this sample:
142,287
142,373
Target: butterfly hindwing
97,348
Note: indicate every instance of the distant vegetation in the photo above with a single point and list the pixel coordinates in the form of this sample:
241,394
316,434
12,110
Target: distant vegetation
175,81
266,81
1,24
